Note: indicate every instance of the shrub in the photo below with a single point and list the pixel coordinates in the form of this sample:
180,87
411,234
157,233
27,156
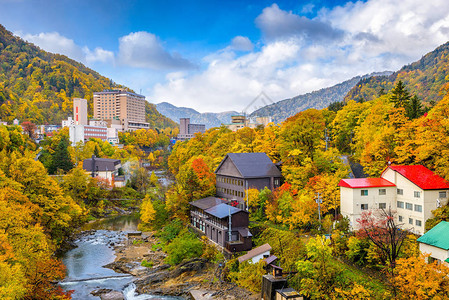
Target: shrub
147,264
357,250
185,245
171,231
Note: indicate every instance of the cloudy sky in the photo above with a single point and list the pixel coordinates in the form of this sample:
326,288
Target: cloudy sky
215,55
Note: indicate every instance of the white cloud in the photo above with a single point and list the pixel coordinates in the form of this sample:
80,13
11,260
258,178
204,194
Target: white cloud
144,50
56,43
242,43
276,23
98,55
301,54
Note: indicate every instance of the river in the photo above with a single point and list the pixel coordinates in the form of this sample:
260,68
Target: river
94,250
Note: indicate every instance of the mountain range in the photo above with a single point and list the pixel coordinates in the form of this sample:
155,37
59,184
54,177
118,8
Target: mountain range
209,119
284,109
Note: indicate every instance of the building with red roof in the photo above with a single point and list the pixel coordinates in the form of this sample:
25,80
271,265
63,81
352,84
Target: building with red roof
412,191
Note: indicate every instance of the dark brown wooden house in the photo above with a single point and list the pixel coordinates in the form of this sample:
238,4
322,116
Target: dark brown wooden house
239,171
211,216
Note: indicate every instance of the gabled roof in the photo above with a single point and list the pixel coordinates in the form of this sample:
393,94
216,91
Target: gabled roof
355,183
256,251
222,210
421,176
207,203
252,165
101,164
270,259
438,236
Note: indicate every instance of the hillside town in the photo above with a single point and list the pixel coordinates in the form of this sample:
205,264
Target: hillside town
251,150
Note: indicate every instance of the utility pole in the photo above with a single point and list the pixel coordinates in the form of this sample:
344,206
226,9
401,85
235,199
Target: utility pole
319,201
247,196
230,226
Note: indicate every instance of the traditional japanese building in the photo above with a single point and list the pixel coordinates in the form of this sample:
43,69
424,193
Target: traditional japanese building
223,224
238,172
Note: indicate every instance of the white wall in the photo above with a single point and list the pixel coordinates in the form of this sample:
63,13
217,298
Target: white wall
427,200
257,258
351,201
434,252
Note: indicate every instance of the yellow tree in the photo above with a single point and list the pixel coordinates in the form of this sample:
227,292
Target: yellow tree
415,279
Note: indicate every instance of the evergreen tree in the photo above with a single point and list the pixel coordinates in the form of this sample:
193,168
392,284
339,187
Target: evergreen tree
61,157
400,95
414,108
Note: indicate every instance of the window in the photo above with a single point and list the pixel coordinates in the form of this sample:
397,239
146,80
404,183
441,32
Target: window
418,223
408,206
400,204
364,192
417,194
410,221
442,194
382,205
401,218
400,192
418,208
364,206
382,192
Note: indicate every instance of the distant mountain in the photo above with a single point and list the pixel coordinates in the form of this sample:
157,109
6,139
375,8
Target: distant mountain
209,119
38,86
284,109
427,78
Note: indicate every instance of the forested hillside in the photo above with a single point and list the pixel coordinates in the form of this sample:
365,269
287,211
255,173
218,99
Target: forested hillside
38,86
284,109
427,78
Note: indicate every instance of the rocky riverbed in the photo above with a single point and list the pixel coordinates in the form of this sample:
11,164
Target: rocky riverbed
162,279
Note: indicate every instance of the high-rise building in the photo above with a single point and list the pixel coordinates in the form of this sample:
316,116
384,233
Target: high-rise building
80,111
188,130
127,107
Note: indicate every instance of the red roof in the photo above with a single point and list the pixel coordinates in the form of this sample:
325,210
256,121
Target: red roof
356,183
421,176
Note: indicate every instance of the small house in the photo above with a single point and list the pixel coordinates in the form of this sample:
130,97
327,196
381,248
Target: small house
256,254
105,168
435,242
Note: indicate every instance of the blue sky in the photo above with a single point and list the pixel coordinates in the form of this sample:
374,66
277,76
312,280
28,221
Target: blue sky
219,55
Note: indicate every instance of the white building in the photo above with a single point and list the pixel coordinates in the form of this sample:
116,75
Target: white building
68,122
83,133
257,254
80,111
436,243
412,191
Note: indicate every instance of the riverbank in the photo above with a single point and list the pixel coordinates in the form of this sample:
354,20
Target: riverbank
159,278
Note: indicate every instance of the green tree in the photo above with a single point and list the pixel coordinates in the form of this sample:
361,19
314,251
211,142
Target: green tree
414,108
400,96
61,158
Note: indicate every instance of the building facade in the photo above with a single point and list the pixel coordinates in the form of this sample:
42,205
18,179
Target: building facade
412,191
82,133
80,111
238,172
127,107
221,223
241,121
188,130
